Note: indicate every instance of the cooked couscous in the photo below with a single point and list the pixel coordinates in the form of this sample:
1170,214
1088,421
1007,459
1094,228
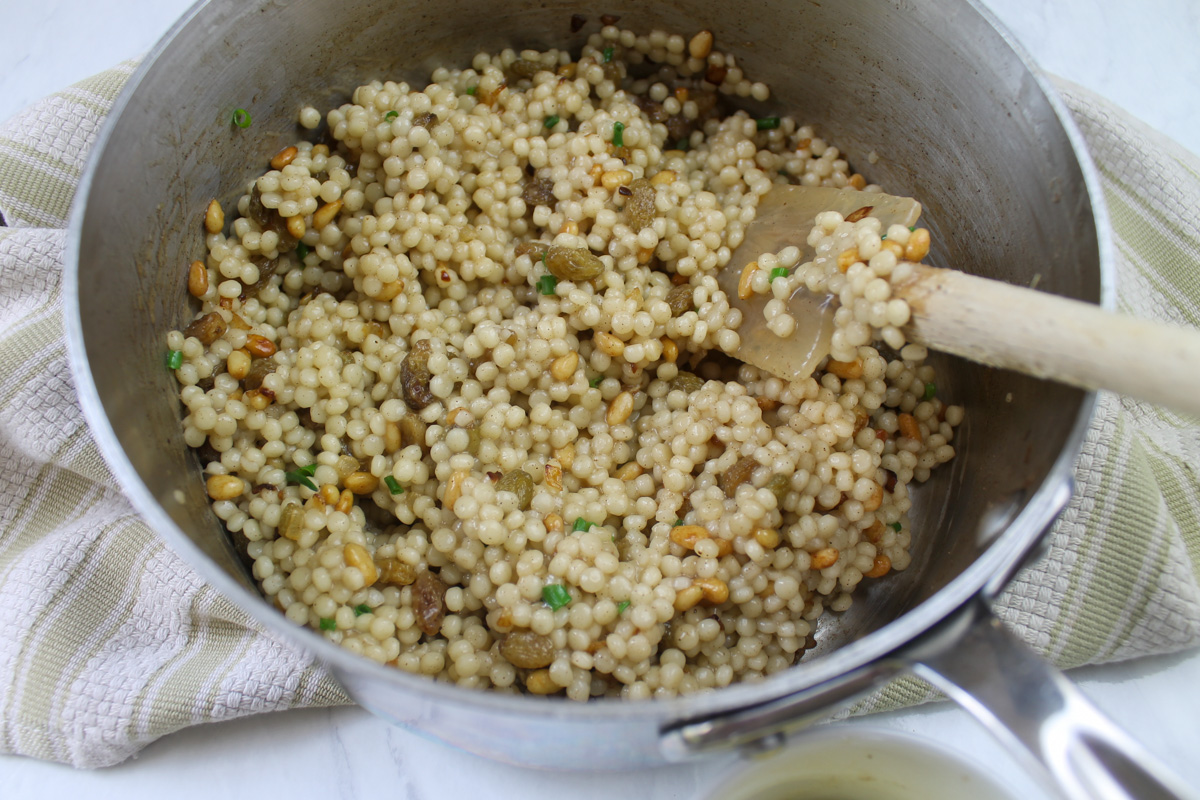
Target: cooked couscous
460,379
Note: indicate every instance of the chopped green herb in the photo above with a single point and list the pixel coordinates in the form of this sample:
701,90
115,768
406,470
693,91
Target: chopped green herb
552,120
608,54
618,134
546,285
683,144
302,476
328,624
555,596
175,359
393,485
241,118
544,252
912,227
362,609
621,606
882,238
581,524
767,123
596,381
391,115
778,272
678,522
930,390
302,251
472,89
896,526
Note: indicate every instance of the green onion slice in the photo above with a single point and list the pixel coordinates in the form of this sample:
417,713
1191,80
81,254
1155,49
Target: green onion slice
362,609
391,115
552,120
678,522
472,89
767,123
596,381
608,54
930,390
683,144
546,285
175,359
301,251
303,476
581,524
328,624
393,485
896,526
618,139
621,606
778,272
556,596
241,118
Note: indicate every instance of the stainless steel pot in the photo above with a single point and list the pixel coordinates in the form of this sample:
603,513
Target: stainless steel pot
957,119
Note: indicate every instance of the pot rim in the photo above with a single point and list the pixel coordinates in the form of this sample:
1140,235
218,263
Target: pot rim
1000,558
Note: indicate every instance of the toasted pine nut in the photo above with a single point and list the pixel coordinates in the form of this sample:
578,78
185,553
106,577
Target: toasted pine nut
554,523
566,456
847,258
615,178
225,487
361,482
553,480
563,367
701,44
296,226
330,494
197,279
855,216
644,254
608,344
688,535
320,150
389,291
595,172
325,214
857,181
767,537
259,346
745,281
460,417
670,349
909,426
391,437
715,590
259,399
238,364
846,370
767,403
629,471
236,321
539,682
874,533
918,245
688,598
214,218
825,557
663,177
619,409
873,502
345,503
357,556
881,567
895,247
569,226
454,488
284,157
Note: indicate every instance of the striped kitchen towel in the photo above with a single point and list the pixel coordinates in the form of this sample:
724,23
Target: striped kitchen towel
112,641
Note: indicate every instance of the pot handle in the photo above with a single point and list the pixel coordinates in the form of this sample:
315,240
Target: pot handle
1038,713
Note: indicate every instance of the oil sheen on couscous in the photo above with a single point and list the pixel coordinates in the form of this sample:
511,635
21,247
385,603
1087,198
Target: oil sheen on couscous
460,381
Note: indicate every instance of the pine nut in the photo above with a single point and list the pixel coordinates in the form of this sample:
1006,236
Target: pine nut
259,346
608,344
554,523
553,480
225,487
687,535
345,503
296,226
745,282
539,682
688,598
238,364
881,567
857,182
566,456
460,417
767,537
847,258
715,590
361,482
284,157
670,349
214,218
329,494
873,502
325,214
563,367
895,247
846,370
616,178
197,279
620,409
918,245
663,177
454,488
320,150
909,427
825,557
259,399
357,556
701,44
392,440
629,471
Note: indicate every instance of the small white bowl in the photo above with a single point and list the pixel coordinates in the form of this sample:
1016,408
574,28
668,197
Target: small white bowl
858,763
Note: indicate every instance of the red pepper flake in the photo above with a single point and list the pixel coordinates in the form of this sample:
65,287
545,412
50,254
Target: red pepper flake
577,22
494,476
881,435
609,19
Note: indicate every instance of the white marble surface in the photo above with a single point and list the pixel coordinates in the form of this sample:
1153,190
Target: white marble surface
1144,56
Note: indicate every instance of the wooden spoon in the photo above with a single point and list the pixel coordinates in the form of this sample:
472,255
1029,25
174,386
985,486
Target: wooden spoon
986,321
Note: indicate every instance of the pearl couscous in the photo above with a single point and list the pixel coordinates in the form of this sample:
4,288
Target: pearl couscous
461,388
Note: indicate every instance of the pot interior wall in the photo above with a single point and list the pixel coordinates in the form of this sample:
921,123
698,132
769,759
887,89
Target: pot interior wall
950,114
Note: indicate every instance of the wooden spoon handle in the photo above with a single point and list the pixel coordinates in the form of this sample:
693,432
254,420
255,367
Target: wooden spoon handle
1048,336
